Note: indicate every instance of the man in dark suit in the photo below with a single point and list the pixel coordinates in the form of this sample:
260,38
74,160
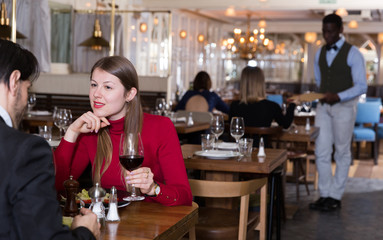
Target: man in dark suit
28,204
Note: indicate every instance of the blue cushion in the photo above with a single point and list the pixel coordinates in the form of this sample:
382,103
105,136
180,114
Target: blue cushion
364,134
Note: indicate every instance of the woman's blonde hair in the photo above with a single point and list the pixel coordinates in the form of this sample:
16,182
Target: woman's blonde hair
252,86
124,70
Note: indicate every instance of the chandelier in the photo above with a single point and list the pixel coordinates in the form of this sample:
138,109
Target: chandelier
247,45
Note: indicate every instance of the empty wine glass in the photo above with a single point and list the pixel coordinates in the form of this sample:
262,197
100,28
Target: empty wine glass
237,128
217,127
62,118
66,118
56,118
31,102
131,155
160,105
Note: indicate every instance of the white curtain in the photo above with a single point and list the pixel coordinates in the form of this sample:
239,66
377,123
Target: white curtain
84,57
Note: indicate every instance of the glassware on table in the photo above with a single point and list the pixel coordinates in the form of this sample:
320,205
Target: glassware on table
62,118
56,120
131,154
160,105
237,128
306,106
207,142
31,102
246,146
217,127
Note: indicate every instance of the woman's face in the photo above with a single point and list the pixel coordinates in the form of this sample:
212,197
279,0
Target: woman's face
107,95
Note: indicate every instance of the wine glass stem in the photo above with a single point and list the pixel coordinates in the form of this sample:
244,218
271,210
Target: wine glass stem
216,142
133,191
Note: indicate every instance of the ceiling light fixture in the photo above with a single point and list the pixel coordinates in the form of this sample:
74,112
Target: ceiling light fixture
310,37
230,11
96,41
5,29
249,43
342,12
353,24
143,27
201,38
380,38
183,34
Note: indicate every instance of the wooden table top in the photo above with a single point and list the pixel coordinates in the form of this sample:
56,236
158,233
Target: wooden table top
299,134
274,158
48,119
144,220
183,128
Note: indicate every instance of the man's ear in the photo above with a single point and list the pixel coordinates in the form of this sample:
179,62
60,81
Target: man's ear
131,94
14,82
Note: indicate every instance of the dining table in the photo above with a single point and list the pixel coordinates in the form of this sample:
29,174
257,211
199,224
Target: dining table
30,122
184,128
146,221
227,169
300,118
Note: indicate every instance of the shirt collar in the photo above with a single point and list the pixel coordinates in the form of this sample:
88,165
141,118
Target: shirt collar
5,115
340,42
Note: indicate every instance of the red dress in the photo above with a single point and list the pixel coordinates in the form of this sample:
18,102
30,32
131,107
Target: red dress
162,155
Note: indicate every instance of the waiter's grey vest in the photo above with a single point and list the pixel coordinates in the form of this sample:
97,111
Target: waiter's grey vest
337,77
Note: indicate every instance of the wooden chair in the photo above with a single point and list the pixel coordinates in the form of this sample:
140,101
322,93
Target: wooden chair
264,132
219,223
197,103
201,117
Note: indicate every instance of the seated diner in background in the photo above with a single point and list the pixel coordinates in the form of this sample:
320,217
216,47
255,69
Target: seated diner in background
201,86
95,137
253,106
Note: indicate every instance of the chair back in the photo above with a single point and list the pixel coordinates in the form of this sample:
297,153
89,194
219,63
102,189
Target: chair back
201,117
374,99
220,189
368,112
265,132
277,98
197,103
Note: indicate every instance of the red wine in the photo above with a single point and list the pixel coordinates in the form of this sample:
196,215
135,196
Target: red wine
131,162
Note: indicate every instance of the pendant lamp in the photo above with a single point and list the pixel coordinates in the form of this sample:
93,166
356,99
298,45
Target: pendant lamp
5,29
96,42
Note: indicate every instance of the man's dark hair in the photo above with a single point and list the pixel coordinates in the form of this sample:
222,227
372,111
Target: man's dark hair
333,18
14,57
202,81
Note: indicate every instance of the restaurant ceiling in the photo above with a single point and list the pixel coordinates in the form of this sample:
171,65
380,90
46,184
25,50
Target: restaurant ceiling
273,10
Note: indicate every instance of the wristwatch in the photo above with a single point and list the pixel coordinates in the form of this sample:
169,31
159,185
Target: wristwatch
157,190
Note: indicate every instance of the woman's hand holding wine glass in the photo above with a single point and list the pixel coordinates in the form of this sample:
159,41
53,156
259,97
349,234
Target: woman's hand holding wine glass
237,128
131,154
217,127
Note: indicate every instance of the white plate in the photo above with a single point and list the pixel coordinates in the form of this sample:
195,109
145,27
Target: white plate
217,154
227,146
40,113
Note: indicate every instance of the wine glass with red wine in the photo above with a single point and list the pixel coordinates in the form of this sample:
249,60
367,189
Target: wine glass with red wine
131,157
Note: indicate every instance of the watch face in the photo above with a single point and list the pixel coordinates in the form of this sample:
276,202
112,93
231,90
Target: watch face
157,190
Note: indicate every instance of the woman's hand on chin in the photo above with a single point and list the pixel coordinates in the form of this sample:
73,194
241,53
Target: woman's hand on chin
86,123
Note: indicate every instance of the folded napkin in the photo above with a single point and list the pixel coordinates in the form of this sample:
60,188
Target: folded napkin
227,145
38,113
181,119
